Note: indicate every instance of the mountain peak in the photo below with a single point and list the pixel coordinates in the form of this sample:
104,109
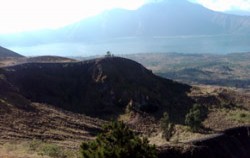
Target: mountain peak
4,53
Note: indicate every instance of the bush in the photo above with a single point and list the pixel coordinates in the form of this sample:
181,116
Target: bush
34,145
167,126
51,150
117,141
194,118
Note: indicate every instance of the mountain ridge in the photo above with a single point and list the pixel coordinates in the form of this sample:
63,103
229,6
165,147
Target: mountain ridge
162,19
5,53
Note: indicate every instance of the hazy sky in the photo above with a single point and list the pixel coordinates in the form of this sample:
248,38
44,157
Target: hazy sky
225,5
27,15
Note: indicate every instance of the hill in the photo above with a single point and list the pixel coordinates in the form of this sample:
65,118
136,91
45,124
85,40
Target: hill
61,102
6,53
100,87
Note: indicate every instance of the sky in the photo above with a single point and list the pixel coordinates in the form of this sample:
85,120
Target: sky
26,15
225,5
29,15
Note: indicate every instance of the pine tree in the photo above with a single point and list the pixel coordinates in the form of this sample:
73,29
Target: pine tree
167,126
118,141
193,118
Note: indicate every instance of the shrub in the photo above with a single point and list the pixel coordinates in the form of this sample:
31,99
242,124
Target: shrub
117,141
242,115
167,126
51,150
194,118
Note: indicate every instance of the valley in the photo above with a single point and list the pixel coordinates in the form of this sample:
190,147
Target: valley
230,70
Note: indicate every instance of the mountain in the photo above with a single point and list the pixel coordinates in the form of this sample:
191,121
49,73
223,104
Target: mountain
238,12
5,53
158,19
167,18
166,26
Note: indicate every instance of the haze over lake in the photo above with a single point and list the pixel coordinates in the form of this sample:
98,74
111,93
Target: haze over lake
221,44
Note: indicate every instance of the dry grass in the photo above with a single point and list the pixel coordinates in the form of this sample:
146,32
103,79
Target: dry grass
36,149
18,150
181,135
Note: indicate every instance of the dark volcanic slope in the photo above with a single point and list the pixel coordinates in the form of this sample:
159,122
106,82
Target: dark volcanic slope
231,143
7,53
49,59
101,87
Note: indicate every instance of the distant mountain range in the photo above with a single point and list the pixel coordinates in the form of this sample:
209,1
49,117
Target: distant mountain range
167,18
153,20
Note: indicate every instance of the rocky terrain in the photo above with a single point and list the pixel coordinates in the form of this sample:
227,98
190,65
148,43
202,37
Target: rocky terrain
67,102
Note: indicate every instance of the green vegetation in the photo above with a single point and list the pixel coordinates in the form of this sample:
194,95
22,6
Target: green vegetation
51,150
241,116
167,127
194,118
118,141
108,54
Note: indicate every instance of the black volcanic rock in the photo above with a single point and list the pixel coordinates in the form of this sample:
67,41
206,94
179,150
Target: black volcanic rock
101,87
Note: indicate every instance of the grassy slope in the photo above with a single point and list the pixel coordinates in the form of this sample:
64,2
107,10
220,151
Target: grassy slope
56,128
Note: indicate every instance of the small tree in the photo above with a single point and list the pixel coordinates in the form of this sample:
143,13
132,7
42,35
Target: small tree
193,118
108,54
118,141
167,127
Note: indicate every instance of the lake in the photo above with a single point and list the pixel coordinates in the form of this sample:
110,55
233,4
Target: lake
216,44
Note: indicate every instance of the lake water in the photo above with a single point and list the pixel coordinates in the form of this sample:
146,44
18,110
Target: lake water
220,44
